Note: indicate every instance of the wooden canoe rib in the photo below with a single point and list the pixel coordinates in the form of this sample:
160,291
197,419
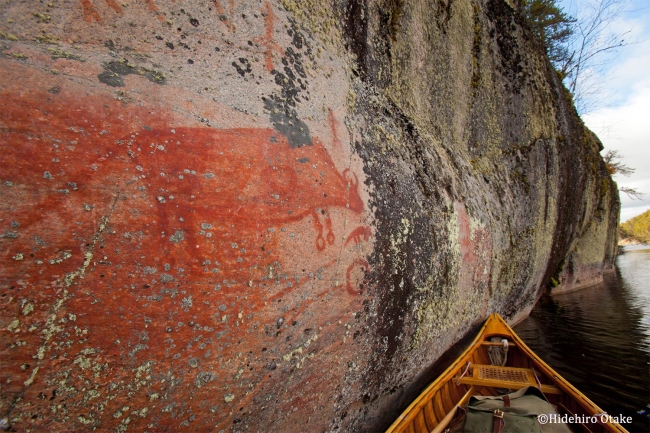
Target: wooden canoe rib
433,410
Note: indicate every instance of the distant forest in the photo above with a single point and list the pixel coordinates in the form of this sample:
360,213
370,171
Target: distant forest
637,228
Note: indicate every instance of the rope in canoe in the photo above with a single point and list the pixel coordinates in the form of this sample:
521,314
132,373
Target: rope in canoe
498,354
464,373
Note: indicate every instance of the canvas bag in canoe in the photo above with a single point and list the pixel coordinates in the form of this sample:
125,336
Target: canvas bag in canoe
516,412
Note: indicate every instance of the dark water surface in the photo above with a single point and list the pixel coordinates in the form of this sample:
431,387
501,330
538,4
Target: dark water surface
599,338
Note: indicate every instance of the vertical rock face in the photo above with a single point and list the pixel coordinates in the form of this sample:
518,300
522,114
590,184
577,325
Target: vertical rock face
274,216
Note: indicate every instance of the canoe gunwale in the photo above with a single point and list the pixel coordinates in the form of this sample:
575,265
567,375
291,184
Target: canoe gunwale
495,326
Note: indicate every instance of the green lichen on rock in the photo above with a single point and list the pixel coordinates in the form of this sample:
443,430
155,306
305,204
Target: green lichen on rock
62,54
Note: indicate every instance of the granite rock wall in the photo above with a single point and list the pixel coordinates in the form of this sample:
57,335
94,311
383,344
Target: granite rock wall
245,215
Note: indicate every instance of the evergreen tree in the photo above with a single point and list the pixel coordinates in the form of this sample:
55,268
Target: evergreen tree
553,26
580,49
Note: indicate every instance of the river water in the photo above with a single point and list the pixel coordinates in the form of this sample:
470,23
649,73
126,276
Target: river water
599,338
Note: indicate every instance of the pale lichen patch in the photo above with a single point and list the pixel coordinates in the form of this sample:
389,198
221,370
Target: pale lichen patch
13,326
28,307
31,377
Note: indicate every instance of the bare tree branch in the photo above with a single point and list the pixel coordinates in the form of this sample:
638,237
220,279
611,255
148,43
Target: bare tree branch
614,165
633,193
591,48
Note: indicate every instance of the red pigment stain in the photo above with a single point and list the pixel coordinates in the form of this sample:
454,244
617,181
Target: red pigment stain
267,40
334,126
222,14
183,227
358,234
91,13
360,264
113,4
476,255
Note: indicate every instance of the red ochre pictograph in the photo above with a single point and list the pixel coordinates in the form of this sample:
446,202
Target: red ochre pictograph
250,179
358,234
225,18
267,40
90,13
137,236
475,254
331,119
361,264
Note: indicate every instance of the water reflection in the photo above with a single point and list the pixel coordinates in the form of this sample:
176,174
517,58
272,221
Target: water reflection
599,338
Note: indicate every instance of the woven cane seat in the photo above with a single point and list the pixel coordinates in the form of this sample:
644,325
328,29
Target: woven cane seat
503,377
507,374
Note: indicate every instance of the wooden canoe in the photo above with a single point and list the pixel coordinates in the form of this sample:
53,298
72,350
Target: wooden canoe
434,409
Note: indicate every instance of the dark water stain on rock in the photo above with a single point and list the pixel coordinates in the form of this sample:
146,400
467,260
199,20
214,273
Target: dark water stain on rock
292,83
356,33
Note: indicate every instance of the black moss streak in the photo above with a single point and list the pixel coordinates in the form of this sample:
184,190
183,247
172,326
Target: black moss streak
406,201
506,22
356,32
285,120
292,83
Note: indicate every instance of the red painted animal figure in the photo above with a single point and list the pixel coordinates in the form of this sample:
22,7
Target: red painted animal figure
361,232
249,178
101,228
243,177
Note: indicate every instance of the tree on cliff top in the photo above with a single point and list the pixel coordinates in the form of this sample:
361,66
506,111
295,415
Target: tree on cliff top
581,47
553,26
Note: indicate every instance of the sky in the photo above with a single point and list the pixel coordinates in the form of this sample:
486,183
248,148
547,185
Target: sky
621,116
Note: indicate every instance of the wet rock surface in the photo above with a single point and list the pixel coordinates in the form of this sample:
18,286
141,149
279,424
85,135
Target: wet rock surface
274,216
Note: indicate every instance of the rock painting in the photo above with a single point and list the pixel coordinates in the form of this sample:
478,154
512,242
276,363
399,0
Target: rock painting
358,234
223,17
91,14
475,255
152,261
160,273
267,40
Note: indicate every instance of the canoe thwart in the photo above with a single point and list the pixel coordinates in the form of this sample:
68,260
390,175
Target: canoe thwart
498,344
504,377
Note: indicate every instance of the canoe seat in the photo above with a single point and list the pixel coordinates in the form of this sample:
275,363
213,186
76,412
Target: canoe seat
504,377
490,372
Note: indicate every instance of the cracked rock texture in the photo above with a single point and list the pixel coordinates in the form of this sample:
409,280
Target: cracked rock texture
245,215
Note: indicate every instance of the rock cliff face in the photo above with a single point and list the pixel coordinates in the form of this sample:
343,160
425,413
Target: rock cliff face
274,215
